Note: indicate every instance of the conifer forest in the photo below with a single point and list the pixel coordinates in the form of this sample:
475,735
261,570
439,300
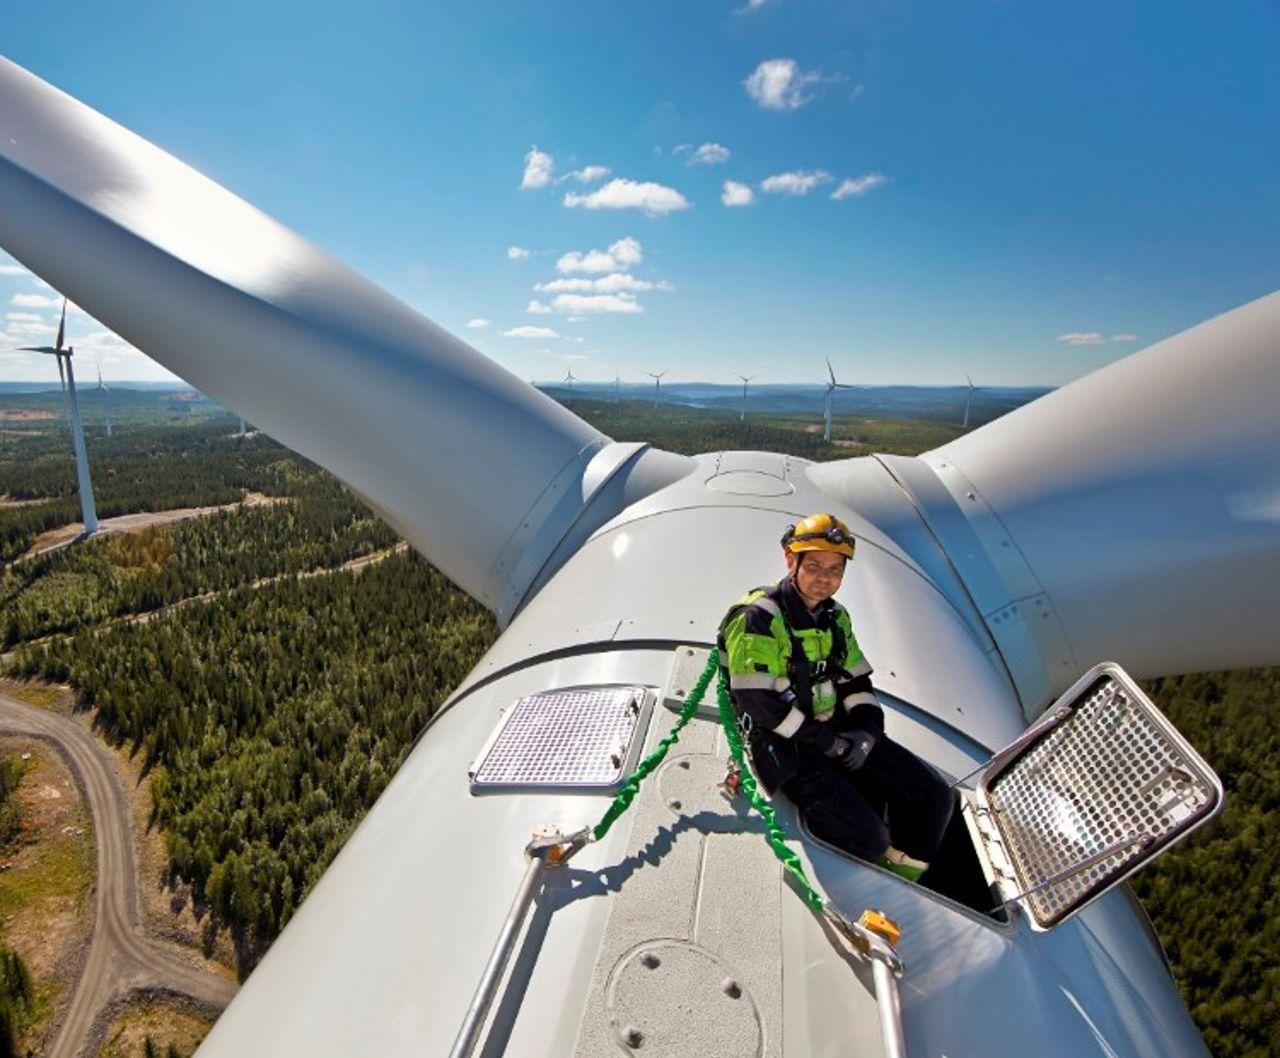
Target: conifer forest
16,994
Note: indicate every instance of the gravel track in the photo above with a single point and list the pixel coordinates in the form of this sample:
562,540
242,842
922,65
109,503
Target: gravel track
122,958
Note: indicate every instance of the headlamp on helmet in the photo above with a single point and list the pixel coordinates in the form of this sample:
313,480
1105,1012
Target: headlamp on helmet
819,532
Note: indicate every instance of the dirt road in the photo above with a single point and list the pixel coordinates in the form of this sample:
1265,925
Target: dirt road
66,535
122,959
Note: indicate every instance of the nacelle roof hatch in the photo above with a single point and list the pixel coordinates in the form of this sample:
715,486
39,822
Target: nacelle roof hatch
576,738
1097,788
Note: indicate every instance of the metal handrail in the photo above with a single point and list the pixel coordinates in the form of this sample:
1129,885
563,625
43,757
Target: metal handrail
548,847
890,1004
886,968
469,1035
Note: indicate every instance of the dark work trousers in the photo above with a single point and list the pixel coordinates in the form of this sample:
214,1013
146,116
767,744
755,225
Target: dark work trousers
895,798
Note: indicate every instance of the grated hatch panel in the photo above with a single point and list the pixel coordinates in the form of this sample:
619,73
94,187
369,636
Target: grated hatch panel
1114,775
578,738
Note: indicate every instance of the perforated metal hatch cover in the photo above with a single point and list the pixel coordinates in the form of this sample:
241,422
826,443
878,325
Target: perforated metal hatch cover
577,738
1102,791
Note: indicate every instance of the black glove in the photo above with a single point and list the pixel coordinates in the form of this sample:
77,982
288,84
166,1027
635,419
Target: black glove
851,751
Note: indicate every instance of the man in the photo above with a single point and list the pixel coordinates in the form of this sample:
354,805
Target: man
802,690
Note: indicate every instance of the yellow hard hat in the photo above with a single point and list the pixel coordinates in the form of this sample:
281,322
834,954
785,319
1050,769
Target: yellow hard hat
819,532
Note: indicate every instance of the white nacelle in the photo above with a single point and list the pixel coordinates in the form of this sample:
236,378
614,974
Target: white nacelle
405,916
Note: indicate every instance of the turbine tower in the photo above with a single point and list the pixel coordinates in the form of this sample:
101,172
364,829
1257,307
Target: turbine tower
87,512
745,379
968,397
105,395
832,386
657,385
617,385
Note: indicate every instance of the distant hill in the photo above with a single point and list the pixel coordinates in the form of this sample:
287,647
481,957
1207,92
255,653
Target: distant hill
82,384
929,402
937,403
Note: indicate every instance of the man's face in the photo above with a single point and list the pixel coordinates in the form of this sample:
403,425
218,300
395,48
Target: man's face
817,574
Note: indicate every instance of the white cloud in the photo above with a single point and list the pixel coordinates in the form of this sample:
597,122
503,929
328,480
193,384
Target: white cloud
780,84
478,322
1124,337
25,317
27,329
1082,338
538,167
530,332
118,359
35,301
593,304
654,199
709,154
620,256
13,270
516,253
750,6
537,308
736,194
589,174
858,185
578,319
614,283
799,182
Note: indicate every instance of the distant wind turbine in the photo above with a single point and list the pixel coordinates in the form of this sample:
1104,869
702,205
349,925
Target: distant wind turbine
568,377
968,397
832,386
88,514
105,395
745,379
617,385
657,385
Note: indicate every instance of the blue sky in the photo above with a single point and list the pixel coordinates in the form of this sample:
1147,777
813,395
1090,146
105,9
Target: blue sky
1020,192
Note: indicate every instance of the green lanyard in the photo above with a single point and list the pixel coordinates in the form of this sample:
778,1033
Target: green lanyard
777,840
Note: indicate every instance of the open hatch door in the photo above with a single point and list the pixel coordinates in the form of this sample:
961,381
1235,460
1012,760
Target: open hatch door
1099,786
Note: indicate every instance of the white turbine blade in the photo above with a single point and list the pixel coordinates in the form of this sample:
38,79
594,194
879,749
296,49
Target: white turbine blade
312,353
831,371
1133,515
62,325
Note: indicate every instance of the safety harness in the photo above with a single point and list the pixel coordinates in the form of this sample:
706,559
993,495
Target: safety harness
802,671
